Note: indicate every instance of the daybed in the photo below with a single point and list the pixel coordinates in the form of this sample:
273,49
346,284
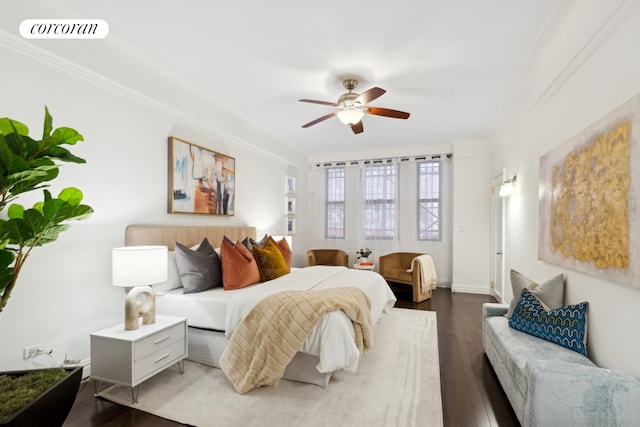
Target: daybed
213,314
550,385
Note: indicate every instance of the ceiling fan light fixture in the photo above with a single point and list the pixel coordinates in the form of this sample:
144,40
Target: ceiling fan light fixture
350,116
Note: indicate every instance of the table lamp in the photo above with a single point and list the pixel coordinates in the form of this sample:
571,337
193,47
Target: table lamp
138,267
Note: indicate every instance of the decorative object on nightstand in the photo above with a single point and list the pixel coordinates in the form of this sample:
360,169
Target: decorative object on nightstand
137,267
364,266
131,357
363,256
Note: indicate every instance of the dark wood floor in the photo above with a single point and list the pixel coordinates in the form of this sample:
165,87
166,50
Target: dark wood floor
471,394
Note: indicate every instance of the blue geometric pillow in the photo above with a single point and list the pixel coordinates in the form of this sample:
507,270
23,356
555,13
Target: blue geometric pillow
566,326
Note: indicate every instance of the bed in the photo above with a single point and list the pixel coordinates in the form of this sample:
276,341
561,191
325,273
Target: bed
214,314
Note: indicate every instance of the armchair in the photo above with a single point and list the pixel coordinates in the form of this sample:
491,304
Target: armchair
327,257
394,266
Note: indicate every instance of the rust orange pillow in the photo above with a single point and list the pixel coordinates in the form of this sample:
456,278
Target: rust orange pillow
285,249
239,268
270,261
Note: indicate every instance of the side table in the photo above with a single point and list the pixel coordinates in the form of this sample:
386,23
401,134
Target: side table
131,357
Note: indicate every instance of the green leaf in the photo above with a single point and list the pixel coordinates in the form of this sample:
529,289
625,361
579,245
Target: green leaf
82,212
8,126
71,195
65,135
15,211
51,234
17,231
62,154
48,124
6,271
34,220
56,210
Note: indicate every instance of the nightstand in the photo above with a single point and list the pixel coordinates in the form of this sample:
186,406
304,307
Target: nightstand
131,357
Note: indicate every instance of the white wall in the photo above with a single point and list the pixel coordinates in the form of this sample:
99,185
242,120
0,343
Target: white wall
471,216
64,291
584,66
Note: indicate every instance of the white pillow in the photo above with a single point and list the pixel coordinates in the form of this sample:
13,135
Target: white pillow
173,277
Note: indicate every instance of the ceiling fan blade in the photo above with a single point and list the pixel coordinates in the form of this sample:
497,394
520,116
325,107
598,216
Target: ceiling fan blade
313,101
387,112
369,95
319,119
357,128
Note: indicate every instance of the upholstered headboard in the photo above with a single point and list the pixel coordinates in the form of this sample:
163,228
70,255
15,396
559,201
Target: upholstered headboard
187,235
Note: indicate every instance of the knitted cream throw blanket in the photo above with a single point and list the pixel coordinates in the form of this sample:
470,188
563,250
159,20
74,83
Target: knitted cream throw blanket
270,335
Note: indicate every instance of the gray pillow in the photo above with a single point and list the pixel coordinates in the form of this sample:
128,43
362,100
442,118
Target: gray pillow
260,243
200,269
550,293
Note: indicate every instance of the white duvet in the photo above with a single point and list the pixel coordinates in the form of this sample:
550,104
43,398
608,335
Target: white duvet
333,338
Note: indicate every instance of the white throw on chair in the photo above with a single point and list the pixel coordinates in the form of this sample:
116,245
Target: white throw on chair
410,268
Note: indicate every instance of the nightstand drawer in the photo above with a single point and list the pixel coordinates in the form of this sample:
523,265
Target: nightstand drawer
158,360
162,339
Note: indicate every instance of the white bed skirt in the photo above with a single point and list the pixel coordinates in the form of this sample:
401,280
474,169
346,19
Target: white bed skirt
206,347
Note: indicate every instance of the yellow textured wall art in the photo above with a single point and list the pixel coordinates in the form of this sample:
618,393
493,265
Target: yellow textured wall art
588,217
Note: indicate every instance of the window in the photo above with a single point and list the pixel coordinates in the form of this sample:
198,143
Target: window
380,201
334,208
429,226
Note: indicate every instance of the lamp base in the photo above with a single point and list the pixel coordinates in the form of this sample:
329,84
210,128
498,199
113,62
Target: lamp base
134,309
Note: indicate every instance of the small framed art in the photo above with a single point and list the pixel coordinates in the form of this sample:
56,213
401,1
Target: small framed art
201,181
291,205
290,184
291,226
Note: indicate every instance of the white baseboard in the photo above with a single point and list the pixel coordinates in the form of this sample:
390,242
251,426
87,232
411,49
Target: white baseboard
470,289
86,367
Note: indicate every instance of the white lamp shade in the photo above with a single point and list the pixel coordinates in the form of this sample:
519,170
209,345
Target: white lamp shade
350,116
139,265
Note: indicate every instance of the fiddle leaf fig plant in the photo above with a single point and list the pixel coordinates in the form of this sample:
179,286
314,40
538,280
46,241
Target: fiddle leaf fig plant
27,164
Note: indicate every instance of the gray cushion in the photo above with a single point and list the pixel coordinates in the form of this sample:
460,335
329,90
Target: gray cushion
200,269
550,292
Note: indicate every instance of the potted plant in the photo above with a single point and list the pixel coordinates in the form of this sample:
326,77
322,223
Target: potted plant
363,255
27,164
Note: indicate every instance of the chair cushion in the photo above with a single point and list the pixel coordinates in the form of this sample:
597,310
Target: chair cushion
398,275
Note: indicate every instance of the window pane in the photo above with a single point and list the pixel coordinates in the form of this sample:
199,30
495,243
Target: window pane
334,204
380,189
429,200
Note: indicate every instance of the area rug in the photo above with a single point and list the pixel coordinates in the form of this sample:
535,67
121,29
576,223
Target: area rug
397,384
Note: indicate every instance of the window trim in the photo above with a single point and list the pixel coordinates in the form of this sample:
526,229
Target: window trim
438,200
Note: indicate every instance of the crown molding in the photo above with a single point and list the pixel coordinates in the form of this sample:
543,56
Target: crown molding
34,52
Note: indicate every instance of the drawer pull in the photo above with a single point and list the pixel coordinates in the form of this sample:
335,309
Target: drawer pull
162,340
162,357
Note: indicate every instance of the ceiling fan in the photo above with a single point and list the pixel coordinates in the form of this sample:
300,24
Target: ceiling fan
352,107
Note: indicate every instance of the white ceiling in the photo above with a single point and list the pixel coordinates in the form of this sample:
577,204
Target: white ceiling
448,63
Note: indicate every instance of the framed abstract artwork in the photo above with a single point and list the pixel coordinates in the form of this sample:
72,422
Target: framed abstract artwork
589,193
201,181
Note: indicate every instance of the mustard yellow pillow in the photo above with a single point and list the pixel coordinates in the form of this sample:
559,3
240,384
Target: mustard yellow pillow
270,260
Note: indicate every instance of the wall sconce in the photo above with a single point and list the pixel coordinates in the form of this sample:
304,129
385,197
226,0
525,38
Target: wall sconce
507,187
137,267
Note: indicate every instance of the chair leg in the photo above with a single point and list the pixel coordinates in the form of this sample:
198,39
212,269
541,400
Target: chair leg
419,296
